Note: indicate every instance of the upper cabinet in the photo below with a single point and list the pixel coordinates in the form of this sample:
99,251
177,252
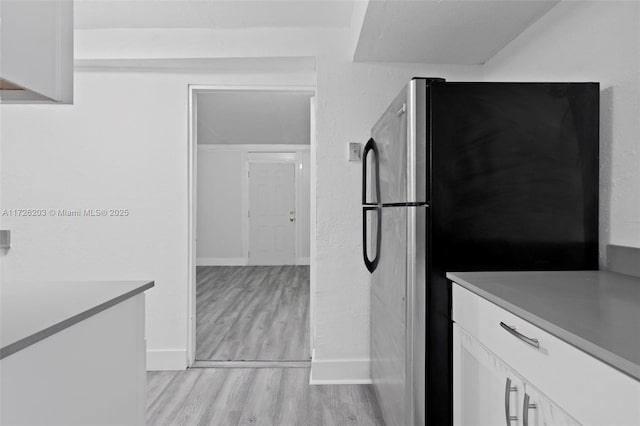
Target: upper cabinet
36,51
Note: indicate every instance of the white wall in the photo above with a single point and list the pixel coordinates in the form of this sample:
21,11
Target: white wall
221,210
593,41
351,97
222,203
123,144
273,117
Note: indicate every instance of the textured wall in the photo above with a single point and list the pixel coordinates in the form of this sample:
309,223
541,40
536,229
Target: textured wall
351,97
593,41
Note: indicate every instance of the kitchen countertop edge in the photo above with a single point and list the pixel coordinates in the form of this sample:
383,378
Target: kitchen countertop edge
619,363
29,340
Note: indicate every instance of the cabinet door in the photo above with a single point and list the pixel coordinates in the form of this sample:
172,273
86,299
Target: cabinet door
538,410
486,391
587,388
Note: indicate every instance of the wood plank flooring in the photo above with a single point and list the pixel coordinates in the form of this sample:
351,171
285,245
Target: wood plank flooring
257,317
252,313
255,396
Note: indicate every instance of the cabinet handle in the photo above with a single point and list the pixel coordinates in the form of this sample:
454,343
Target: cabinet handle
525,410
507,402
512,330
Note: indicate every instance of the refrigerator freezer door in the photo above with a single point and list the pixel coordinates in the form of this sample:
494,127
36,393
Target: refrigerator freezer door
398,316
400,138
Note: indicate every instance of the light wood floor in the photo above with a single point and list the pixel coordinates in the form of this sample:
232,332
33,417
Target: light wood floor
255,396
252,313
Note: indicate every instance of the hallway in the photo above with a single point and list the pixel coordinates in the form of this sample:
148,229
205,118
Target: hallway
254,313
248,313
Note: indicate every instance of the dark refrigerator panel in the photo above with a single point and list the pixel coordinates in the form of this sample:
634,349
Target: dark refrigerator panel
514,187
515,177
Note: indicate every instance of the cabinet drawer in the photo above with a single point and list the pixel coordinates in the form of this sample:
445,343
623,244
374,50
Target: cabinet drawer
588,389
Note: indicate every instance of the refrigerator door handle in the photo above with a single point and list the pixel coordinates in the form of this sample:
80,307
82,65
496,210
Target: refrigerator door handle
370,147
371,264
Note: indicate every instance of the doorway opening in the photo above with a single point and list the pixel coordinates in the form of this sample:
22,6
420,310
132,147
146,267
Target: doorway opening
251,227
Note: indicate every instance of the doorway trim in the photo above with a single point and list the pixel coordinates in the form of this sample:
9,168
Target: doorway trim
192,151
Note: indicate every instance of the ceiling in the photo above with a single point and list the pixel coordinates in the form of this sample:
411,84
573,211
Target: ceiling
467,32
214,14
443,32
253,117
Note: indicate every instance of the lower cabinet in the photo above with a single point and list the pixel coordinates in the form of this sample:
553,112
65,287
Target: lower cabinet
538,410
91,373
488,392
507,371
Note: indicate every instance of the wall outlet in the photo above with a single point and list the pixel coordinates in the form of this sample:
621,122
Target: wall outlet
5,239
355,151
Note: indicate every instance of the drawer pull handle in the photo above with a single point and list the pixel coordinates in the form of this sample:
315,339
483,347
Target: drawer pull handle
512,330
525,410
507,402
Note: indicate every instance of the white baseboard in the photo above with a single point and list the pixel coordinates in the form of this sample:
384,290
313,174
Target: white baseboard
166,359
340,372
221,261
303,261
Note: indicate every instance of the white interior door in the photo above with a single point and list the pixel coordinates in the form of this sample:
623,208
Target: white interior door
272,213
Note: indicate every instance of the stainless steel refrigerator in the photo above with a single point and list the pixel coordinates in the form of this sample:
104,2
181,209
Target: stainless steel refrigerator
461,176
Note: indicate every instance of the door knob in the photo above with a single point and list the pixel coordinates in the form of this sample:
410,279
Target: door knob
292,219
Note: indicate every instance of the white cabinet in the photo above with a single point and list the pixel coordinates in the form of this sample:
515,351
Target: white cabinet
486,390
566,385
36,51
541,411
91,373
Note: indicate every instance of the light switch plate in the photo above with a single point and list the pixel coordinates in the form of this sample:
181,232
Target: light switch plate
355,151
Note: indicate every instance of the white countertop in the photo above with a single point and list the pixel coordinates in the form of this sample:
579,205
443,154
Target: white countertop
30,312
596,311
